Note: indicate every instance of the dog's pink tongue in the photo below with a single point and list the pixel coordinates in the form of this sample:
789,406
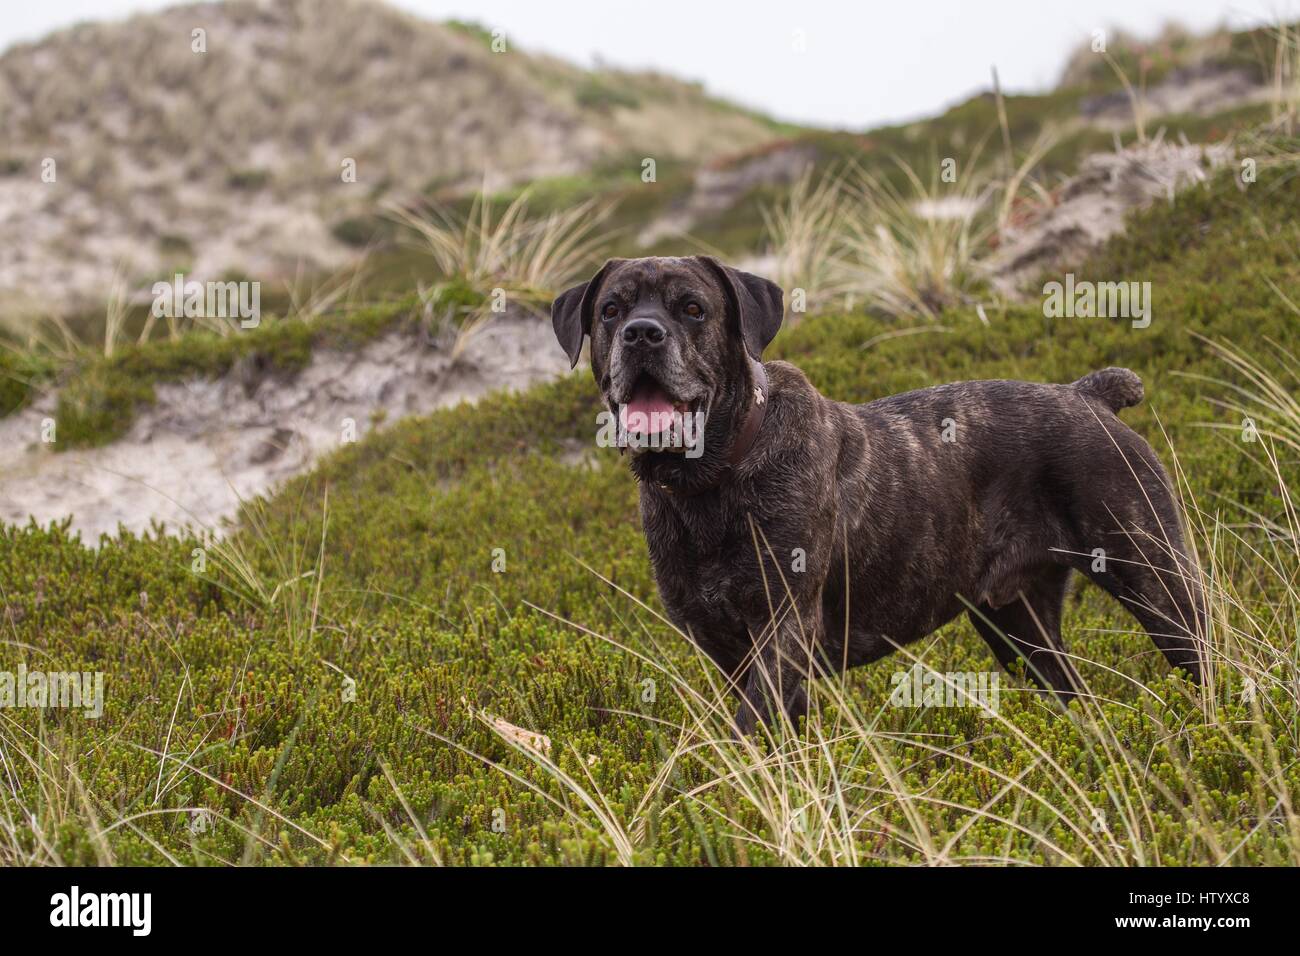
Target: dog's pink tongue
648,412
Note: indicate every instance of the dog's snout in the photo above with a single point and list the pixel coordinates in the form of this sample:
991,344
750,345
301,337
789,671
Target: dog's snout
644,332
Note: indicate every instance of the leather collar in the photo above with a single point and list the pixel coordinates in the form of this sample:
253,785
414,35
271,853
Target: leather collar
753,419
747,435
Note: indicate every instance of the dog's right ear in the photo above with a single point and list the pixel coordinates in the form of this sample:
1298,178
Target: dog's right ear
571,312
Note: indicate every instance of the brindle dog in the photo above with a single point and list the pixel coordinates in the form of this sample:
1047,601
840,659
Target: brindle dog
806,535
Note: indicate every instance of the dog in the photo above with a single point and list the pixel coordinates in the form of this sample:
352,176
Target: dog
806,536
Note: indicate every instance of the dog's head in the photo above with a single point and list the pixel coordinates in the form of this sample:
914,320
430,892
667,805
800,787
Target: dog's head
671,337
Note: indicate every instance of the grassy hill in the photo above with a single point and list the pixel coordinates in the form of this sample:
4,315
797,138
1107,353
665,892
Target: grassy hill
357,675
211,138
227,163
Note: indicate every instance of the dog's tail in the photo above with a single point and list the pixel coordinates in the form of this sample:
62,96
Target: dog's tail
1117,387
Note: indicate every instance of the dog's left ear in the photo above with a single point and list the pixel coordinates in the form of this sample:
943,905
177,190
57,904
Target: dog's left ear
572,310
758,303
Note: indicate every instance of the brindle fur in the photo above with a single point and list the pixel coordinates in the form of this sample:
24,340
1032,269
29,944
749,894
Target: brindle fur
901,530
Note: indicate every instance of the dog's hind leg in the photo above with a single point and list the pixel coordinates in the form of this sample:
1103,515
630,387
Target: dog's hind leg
1030,627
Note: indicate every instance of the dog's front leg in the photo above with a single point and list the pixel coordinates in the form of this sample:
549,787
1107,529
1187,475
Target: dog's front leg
760,701
774,682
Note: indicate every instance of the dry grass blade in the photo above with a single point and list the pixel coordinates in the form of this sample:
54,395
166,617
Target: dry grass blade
912,251
804,233
1135,98
1015,181
1285,91
528,257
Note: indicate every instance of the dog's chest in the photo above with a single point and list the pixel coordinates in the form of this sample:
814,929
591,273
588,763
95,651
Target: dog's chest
700,564
706,597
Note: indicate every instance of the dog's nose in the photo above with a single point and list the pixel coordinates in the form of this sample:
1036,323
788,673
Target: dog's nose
645,332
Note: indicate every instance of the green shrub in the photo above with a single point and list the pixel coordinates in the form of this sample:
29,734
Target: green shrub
248,180
19,372
602,94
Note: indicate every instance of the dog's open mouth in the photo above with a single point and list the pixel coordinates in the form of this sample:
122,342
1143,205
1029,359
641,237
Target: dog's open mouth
653,419
649,409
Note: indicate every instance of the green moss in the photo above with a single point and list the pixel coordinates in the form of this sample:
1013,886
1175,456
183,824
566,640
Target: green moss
411,609
20,374
98,402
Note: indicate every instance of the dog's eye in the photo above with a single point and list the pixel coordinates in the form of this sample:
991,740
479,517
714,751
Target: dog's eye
693,310
609,311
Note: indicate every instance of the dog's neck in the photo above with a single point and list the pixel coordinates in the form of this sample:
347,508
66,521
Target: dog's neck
753,422
745,436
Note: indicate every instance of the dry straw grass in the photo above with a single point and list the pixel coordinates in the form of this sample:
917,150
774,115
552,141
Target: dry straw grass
527,257
505,253
851,235
1285,77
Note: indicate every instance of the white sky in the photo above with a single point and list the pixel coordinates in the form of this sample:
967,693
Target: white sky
866,62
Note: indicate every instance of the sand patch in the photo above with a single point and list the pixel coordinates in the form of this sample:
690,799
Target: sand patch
208,443
1091,207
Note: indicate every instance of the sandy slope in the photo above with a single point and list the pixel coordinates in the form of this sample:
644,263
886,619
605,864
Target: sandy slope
206,444
233,158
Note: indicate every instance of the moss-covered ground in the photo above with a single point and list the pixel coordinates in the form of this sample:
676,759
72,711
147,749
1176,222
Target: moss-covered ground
319,687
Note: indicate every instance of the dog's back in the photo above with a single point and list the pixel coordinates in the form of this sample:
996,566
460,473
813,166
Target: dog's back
1000,487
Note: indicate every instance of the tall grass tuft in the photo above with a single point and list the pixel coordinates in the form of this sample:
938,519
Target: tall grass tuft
1285,77
909,245
912,250
805,232
527,257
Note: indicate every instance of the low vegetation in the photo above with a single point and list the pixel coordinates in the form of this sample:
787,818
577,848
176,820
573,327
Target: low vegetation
98,396
444,644
507,250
